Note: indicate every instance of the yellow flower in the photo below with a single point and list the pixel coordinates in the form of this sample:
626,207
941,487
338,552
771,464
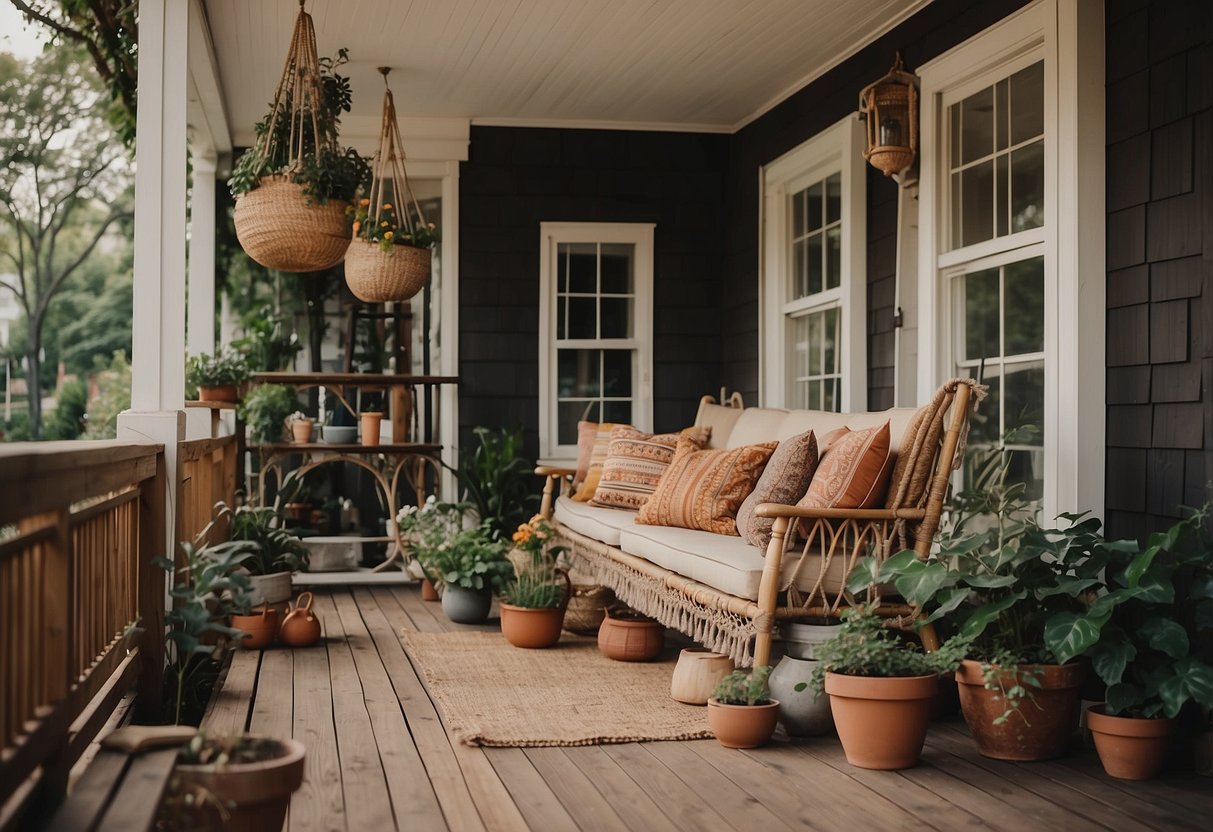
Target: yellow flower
364,202
383,224
387,235
387,206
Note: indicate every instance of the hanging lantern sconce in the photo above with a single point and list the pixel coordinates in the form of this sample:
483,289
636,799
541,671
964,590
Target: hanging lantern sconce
890,107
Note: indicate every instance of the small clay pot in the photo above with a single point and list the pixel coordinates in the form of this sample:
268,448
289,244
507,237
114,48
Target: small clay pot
1046,717
301,431
696,674
370,428
428,593
221,393
301,627
1129,748
882,720
742,726
627,638
245,797
259,628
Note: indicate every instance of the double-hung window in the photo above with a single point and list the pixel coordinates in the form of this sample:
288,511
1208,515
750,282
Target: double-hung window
595,332
813,343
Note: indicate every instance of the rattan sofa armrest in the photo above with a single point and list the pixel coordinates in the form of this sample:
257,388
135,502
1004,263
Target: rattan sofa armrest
773,510
554,471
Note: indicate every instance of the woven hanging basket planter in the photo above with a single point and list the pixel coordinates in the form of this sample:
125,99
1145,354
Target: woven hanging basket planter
277,224
280,228
376,275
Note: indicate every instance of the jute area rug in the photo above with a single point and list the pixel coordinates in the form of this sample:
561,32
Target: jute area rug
492,693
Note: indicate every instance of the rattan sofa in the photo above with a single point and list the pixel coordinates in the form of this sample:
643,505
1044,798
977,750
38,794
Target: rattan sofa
730,596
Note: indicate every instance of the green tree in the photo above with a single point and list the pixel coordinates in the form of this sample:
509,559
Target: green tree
64,185
66,421
114,396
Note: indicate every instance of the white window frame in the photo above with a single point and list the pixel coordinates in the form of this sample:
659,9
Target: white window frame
551,235
1069,37
836,149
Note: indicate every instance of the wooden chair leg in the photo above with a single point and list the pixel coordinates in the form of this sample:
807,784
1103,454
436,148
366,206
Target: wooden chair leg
545,507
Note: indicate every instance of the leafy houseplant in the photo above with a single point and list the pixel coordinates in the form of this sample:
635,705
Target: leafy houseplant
741,712
218,376
881,691
496,479
276,552
270,348
266,409
534,601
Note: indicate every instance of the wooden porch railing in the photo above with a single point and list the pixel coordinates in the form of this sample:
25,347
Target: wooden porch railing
80,526
208,475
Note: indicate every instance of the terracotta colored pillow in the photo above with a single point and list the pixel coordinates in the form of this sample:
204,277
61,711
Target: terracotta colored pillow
703,489
785,480
634,465
855,473
592,441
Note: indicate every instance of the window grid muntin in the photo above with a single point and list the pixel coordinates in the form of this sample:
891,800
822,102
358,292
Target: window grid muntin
803,385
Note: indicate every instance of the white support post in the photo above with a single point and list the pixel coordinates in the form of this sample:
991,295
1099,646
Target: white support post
158,349
201,308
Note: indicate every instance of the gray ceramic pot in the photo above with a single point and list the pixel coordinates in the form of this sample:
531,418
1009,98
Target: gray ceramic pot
803,713
466,606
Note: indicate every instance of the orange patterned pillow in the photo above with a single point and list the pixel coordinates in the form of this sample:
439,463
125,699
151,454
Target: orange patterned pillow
784,480
634,464
703,489
592,441
855,473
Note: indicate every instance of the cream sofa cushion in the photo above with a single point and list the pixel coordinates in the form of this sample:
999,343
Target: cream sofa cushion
762,424
723,562
720,419
602,524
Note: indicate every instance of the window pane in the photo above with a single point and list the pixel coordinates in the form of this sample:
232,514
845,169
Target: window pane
577,373
833,257
829,396
815,195
1023,401
582,259
1027,103
814,263
562,315
616,317
834,198
829,345
1028,187
814,395
1028,467
957,211
618,412
986,426
562,268
798,214
617,259
800,269
977,186
582,318
1002,184
1025,312
617,373
1000,114
568,414
977,126
814,322
981,314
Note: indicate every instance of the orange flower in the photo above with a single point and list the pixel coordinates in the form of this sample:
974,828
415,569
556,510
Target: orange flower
357,225
364,202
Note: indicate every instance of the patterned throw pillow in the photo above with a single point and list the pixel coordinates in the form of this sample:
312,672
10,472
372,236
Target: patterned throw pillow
592,441
855,473
785,480
634,464
703,489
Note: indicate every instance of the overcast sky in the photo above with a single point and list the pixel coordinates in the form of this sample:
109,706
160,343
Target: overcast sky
15,36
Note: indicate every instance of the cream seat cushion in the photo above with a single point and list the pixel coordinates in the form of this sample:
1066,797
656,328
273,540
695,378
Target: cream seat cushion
723,562
602,524
763,424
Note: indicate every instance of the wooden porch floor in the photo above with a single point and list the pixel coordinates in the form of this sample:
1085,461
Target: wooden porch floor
379,758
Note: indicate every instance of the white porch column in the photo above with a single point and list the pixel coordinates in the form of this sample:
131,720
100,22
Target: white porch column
158,350
201,308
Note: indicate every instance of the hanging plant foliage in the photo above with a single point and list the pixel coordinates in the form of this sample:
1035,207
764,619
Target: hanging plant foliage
389,257
293,188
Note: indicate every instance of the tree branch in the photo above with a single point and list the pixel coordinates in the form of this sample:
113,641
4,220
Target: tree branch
67,32
44,298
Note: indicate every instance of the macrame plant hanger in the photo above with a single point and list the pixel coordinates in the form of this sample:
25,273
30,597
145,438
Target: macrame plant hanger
278,225
398,273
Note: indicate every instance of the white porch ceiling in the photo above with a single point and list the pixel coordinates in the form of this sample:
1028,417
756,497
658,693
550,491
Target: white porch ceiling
665,64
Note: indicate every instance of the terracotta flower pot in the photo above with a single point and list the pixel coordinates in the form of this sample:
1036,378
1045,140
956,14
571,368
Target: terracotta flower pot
696,674
882,720
1045,719
428,593
536,629
1129,748
630,639
259,628
370,427
221,393
301,431
245,797
742,726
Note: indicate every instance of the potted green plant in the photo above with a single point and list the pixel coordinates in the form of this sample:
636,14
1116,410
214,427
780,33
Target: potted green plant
741,712
301,426
1160,600
882,691
242,783
265,411
534,600
268,345
1014,591
294,186
497,479
276,552
219,376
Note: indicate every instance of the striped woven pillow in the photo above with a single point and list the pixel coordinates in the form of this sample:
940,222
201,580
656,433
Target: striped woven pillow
635,462
703,489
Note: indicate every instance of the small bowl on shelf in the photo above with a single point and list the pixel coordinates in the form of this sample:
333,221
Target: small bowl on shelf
340,434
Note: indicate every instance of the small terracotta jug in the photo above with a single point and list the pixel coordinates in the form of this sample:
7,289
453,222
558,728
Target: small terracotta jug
301,627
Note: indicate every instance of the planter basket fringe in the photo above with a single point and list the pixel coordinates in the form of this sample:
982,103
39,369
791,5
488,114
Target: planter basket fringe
276,223
282,229
375,275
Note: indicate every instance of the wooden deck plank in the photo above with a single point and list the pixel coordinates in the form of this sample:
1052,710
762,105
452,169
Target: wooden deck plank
274,708
678,801
588,808
728,799
384,618
134,807
634,806
426,616
409,788
229,709
363,783
318,804
540,807
90,794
